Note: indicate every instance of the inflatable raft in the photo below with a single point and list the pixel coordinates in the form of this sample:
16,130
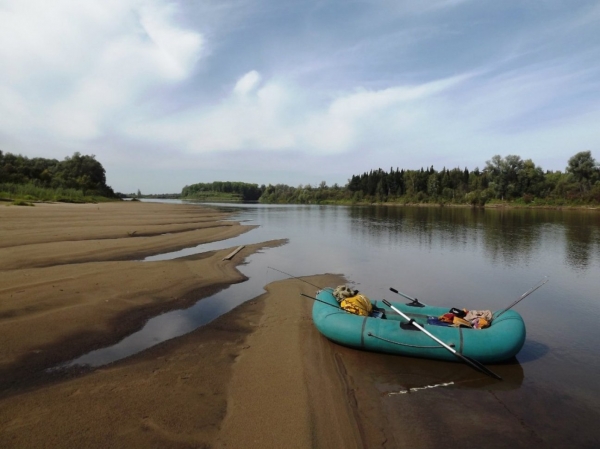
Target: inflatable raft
393,335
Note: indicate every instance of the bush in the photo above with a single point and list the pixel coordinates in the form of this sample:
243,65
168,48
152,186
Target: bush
21,203
527,198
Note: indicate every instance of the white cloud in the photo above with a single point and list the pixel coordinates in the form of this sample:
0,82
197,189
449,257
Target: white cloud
175,50
70,67
278,117
247,83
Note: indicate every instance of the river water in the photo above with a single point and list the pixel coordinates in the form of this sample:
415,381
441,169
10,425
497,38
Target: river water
455,257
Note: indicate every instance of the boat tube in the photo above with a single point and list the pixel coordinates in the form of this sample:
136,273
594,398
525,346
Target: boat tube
393,335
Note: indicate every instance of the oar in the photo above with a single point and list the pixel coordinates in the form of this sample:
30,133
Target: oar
415,301
469,361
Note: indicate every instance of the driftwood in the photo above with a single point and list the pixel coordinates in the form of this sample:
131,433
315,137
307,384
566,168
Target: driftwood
233,253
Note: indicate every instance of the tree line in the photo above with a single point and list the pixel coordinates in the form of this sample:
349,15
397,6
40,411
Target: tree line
507,178
235,190
78,172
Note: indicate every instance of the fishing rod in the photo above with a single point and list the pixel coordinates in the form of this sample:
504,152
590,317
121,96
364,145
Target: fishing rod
525,295
300,279
318,300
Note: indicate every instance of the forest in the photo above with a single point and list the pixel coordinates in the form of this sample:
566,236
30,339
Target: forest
76,178
503,179
223,190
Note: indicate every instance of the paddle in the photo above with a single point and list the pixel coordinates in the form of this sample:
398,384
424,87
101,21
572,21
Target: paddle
469,361
415,301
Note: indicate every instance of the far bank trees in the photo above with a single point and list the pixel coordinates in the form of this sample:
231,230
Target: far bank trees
508,178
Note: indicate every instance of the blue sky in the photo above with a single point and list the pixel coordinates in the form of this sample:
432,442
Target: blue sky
169,93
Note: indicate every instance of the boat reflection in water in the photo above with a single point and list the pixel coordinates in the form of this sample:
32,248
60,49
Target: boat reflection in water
394,374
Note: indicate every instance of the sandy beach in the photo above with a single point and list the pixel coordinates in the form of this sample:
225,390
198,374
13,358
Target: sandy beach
71,281
259,376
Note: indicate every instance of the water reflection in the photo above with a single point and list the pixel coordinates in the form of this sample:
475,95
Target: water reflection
508,236
393,374
532,350
175,323
582,241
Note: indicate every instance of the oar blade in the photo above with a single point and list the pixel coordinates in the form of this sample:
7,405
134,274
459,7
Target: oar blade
478,366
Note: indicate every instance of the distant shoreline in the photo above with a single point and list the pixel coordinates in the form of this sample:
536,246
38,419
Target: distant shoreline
493,205
496,206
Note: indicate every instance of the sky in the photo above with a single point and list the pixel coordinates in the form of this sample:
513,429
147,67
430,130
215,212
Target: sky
167,93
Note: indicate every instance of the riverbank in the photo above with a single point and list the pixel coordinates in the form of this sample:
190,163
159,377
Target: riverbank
492,205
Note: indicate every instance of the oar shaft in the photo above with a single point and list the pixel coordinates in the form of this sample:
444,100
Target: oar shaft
402,294
415,301
418,326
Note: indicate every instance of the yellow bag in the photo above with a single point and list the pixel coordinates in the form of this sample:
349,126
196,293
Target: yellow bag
358,305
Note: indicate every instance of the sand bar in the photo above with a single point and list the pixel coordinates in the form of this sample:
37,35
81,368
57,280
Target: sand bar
86,288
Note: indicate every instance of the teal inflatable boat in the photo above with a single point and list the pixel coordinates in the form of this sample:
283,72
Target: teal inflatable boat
393,335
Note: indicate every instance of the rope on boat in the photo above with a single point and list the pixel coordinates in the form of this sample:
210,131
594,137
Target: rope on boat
405,344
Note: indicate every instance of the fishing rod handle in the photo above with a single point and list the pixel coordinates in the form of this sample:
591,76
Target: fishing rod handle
386,302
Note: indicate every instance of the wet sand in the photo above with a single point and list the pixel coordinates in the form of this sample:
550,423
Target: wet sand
61,298
218,386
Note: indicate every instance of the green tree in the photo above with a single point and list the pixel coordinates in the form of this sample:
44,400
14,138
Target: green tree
530,179
78,172
583,169
504,173
433,185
